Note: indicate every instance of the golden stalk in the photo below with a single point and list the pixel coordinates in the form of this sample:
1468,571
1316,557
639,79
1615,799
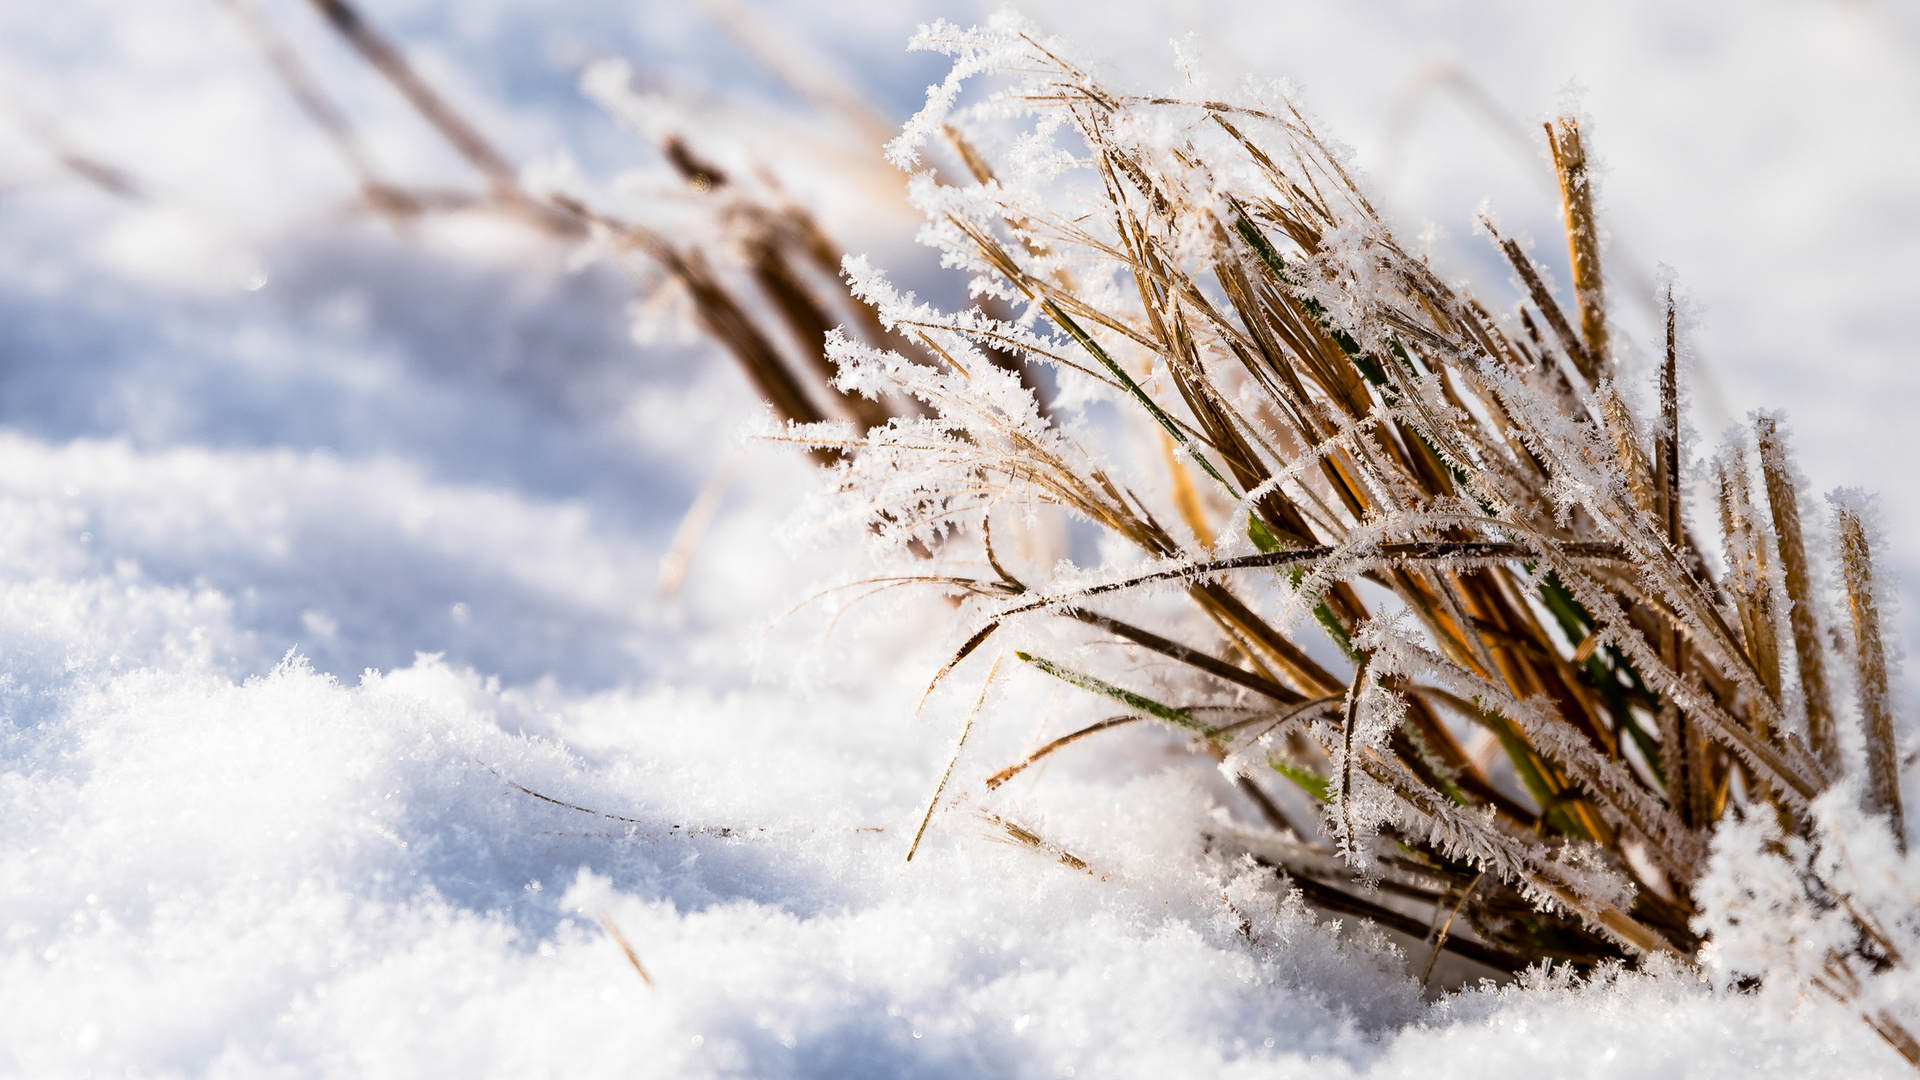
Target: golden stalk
1785,505
1751,579
1883,764
1583,239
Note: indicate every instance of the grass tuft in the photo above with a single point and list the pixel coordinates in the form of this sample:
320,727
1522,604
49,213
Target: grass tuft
1468,510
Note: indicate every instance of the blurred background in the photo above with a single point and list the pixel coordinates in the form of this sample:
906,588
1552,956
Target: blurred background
461,431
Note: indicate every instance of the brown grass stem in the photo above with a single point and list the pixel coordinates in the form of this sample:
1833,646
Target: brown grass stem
946,774
1784,503
1882,795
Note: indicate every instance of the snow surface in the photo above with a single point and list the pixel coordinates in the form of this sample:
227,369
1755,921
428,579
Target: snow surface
323,551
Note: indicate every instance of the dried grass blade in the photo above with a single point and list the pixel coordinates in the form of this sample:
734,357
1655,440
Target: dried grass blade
1027,838
966,649
387,60
620,939
314,102
1783,501
1883,761
1576,350
1583,238
1440,940
1153,409
947,773
1212,665
1069,739
1348,724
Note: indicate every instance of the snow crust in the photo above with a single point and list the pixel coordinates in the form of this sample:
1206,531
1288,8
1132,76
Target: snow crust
338,709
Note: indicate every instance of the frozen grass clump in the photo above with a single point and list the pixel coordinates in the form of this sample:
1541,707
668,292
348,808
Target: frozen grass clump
1438,577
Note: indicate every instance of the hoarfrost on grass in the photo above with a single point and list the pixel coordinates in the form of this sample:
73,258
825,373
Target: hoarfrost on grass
219,863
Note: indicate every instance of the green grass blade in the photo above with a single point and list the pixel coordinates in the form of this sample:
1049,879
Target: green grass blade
1093,348
1137,702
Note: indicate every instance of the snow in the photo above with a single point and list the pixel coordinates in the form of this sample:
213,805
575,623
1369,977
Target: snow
307,588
